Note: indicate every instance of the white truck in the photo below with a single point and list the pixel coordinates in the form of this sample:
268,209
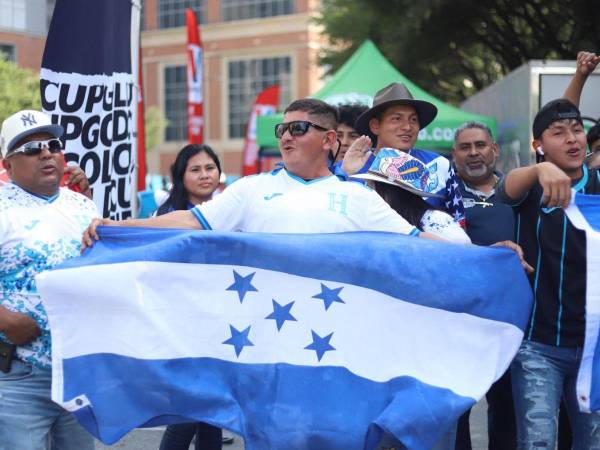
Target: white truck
515,99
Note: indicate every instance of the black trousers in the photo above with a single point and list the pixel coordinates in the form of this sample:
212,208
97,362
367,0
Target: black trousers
502,430
179,437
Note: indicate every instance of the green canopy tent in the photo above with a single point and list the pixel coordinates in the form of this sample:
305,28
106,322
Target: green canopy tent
358,80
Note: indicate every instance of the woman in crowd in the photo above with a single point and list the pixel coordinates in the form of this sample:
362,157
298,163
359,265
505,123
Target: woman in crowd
195,176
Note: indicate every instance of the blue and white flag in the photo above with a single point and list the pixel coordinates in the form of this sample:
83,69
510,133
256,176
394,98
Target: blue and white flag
584,213
89,85
322,341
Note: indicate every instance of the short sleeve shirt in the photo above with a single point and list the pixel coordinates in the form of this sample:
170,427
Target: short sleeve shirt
557,251
280,202
489,220
37,234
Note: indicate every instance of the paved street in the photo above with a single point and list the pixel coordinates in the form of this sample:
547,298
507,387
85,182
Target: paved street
150,438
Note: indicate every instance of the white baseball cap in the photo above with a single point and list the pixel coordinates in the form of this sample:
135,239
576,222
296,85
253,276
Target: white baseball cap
23,124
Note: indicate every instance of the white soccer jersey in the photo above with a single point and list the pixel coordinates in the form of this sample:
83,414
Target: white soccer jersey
280,202
37,234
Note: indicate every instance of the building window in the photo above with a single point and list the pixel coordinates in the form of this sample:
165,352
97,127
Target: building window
7,52
247,78
176,103
13,14
250,9
171,13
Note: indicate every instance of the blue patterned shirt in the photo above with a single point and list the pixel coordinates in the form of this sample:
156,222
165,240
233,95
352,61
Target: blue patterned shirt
36,234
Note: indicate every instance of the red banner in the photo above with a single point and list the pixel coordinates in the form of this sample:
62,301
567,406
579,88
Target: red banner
141,130
194,73
266,103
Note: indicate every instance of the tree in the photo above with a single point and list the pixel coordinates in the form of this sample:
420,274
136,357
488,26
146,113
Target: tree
19,89
154,127
453,48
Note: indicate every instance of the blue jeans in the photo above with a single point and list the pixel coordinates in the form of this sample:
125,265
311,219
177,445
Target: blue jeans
541,376
30,420
179,436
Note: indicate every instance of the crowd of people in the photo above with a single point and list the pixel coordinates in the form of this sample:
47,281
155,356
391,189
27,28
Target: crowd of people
349,168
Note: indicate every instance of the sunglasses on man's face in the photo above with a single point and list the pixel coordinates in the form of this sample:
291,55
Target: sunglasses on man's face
296,128
33,148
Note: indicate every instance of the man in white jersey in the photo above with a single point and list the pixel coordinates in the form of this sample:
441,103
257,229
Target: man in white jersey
301,197
40,227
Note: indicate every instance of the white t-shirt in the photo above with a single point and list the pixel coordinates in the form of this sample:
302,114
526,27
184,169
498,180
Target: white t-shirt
280,202
443,225
37,234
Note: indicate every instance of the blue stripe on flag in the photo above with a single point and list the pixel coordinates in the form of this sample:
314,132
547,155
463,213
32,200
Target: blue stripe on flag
589,206
451,277
160,361
595,388
89,37
412,410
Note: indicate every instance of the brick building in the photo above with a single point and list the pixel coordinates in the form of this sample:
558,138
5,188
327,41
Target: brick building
248,45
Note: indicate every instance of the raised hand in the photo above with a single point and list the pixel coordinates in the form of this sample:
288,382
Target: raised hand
587,62
357,155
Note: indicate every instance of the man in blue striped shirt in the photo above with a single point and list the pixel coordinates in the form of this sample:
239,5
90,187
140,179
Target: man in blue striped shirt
545,368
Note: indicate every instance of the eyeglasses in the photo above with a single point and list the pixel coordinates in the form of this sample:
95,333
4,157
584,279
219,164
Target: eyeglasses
296,128
33,148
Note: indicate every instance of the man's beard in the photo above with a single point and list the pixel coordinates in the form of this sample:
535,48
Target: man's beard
483,171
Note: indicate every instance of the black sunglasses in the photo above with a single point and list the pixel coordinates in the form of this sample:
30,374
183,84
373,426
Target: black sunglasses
33,148
296,128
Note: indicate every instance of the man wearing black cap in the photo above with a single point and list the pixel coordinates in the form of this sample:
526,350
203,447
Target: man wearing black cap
40,227
394,122
545,368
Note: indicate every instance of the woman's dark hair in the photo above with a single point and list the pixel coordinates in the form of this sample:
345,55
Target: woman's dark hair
348,113
178,197
408,205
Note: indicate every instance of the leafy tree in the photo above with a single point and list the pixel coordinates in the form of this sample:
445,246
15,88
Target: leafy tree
453,48
19,89
154,127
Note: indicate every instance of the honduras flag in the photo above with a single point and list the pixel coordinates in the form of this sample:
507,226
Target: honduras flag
322,341
584,213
